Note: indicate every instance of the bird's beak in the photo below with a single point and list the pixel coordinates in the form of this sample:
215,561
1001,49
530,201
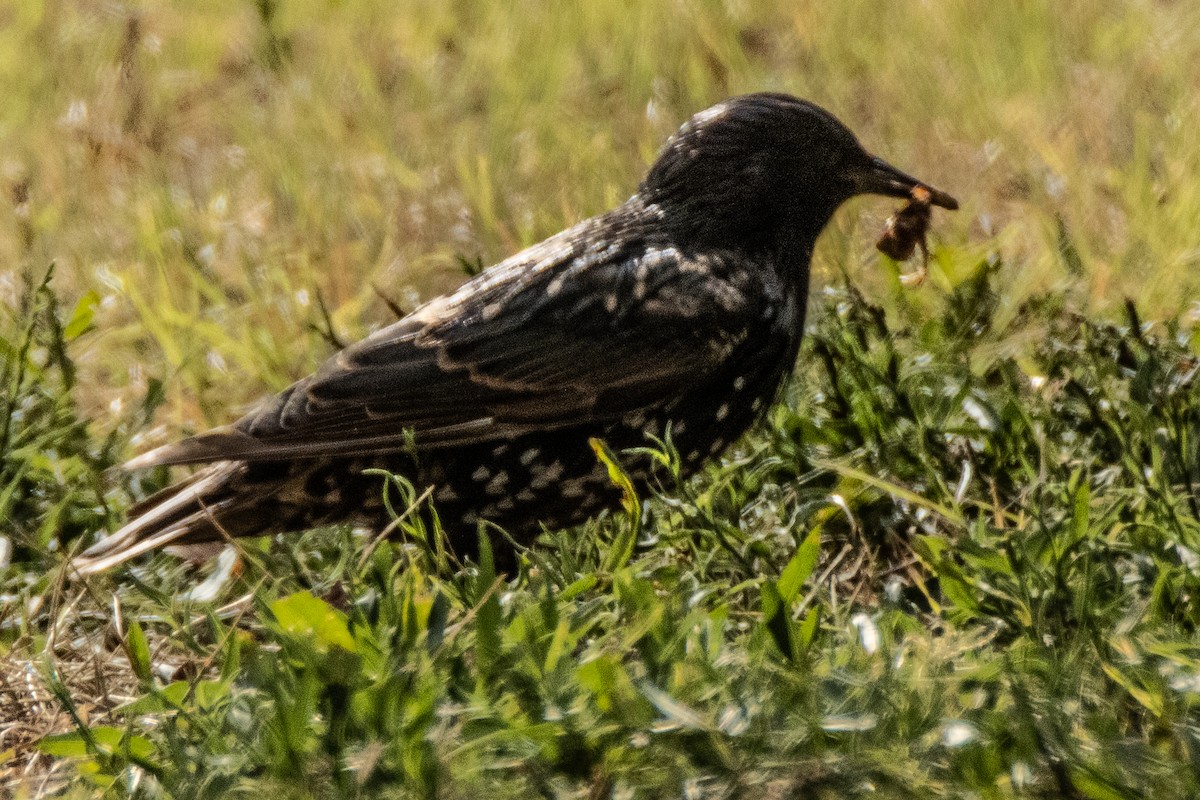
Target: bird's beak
880,177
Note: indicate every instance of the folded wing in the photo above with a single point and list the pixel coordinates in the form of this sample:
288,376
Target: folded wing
565,333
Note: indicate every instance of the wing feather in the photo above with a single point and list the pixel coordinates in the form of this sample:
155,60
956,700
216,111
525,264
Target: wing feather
563,333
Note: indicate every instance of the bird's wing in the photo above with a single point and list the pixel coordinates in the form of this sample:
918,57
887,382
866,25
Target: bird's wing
565,333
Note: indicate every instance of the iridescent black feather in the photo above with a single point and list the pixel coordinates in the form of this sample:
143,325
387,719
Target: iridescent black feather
684,306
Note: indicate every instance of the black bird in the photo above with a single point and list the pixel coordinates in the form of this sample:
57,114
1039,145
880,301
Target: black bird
684,306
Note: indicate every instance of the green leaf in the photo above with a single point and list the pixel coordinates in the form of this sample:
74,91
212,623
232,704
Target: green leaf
435,626
622,546
1080,508
775,617
1094,787
958,588
231,654
117,741
558,646
576,588
139,651
302,614
81,317
64,745
807,630
168,698
930,548
1150,700
488,619
156,395
801,566
108,739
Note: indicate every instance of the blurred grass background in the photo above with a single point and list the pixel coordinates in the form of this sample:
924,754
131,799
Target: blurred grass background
959,560
211,169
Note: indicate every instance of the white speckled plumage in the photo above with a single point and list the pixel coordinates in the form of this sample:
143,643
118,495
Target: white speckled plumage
681,309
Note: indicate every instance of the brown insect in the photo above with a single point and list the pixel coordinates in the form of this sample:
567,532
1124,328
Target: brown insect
905,231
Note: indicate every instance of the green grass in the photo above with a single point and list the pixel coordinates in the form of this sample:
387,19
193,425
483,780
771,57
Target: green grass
959,560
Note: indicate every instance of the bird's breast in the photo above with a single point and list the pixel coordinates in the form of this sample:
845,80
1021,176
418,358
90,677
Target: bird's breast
710,417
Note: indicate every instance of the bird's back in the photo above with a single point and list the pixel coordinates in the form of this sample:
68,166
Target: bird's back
490,395
677,315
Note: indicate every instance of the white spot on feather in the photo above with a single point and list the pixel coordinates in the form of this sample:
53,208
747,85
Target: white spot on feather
573,487
545,476
710,114
497,484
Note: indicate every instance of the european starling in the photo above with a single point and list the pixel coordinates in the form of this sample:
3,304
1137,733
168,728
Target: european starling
682,308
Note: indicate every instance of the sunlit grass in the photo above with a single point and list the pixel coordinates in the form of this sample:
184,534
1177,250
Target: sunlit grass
207,178
211,169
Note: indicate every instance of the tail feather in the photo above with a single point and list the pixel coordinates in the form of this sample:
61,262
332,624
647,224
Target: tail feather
189,510
159,498
240,498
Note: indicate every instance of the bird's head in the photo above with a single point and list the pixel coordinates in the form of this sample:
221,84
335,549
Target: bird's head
757,166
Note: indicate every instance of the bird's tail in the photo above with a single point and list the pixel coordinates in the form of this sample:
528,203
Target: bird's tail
189,512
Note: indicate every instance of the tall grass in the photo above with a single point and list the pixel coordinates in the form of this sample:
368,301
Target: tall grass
959,559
